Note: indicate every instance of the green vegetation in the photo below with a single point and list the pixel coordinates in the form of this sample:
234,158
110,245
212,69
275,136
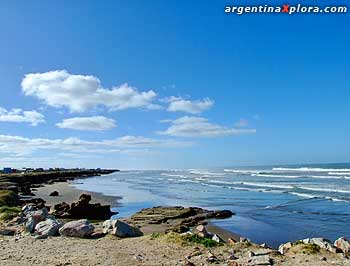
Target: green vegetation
8,213
207,242
8,198
155,236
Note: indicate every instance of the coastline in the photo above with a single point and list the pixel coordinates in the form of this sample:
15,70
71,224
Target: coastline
69,194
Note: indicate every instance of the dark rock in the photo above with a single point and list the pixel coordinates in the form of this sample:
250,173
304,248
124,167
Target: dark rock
54,194
82,209
7,232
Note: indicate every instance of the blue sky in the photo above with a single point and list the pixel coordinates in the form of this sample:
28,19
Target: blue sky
170,84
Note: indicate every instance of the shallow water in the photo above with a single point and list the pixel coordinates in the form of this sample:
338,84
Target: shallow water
273,204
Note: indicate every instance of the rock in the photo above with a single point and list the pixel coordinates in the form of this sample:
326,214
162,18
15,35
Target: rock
322,243
173,217
251,254
120,229
232,257
217,238
80,228
343,244
243,240
260,260
54,194
82,209
231,241
211,257
7,232
49,227
285,247
28,208
323,259
201,231
35,217
188,263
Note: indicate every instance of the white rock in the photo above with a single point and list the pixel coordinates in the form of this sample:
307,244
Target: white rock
217,238
80,228
49,227
120,229
343,244
284,247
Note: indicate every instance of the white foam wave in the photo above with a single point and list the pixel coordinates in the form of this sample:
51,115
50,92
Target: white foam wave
206,173
325,190
267,185
277,176
310,169
242,171
303,195
336,173
173,175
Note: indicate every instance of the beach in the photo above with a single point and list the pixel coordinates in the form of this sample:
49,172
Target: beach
157,245
69,194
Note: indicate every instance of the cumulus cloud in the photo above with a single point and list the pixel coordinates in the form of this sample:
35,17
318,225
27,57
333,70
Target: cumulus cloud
92,123
192,126
19,116
21,146
178,104
79,93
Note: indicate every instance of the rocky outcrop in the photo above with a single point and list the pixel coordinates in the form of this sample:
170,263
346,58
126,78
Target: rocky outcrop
80,228
82,209
54,194
322,243
178,219
49,227
120,229
343,244
283,249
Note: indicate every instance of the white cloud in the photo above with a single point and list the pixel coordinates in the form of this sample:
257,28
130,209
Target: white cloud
178,104
92,123
19,116
22,146
242,123
191,126
79,93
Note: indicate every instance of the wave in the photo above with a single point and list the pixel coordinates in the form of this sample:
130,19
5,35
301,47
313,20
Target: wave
325,190
303,195
267,185
173,175
207,173
310,169
329,177
281,176
242,171
336,173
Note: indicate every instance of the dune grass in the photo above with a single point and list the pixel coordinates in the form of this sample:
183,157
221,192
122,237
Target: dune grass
8,213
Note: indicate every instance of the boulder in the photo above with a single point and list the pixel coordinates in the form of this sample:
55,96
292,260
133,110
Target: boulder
7,232
343,244
201,231
217,238
82,209
80,228
260,260
285,247
49,227
54,194
120,229
322,243
35,217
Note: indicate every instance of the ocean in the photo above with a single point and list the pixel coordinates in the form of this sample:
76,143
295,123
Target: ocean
273,204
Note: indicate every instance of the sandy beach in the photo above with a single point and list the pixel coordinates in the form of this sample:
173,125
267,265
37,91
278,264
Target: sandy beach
69,194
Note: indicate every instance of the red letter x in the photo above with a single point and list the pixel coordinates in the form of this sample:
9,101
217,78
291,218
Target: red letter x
285,8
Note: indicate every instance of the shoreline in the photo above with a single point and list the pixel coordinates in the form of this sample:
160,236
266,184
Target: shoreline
69,194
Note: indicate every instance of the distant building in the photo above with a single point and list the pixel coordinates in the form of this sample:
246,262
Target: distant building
7,170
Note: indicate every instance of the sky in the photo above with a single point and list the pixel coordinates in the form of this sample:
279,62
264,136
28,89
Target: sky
171,84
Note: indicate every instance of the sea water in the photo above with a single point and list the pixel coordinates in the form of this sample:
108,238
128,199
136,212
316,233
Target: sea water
273,204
